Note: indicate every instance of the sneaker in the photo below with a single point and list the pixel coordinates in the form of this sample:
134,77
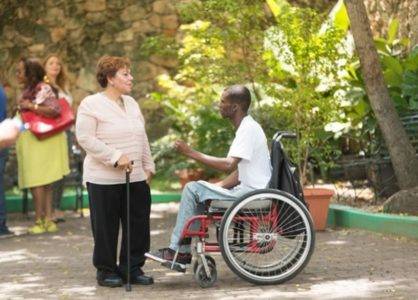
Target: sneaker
50,226
38,228
168,254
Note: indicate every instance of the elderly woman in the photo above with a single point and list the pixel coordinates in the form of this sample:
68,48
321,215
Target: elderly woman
110,128
40,162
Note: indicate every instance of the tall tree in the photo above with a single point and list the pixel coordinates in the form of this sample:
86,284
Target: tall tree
402,154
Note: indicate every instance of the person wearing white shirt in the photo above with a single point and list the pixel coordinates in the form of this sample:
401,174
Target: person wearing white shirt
248,162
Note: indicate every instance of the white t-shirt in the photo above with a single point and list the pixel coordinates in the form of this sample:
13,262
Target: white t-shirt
250,144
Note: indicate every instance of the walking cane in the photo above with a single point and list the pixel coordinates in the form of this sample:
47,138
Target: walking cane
128,235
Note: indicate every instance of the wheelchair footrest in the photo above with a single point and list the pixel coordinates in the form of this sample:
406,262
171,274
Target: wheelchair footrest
168,263
174,266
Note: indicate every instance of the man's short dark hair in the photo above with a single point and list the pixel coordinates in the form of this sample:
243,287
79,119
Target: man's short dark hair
238,94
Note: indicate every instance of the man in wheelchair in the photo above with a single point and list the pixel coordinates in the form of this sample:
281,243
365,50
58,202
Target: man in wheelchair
248,162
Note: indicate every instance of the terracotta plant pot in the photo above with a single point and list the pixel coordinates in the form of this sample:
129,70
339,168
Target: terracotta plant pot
318,200
187,175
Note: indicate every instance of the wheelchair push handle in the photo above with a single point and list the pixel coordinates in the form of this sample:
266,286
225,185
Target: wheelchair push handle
284,134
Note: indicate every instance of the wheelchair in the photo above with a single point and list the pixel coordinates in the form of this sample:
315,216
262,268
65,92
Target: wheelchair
265,237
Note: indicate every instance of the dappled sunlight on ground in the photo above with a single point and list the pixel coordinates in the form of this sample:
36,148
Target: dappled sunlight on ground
340,289
12,290
171,207
336,242
156,215
346,264
13,256
158,232
77,291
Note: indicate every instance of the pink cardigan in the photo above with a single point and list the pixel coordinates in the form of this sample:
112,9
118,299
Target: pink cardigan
105,131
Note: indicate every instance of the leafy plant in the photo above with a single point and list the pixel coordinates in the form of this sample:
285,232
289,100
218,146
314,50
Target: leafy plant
221,44
288,57
400,71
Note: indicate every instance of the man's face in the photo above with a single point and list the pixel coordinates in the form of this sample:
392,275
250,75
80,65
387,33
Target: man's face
226,107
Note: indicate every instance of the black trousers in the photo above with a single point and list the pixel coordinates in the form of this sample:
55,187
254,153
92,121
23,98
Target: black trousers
107,211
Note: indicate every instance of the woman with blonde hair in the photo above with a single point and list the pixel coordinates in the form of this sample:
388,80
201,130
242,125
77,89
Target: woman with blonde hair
40,162
56,76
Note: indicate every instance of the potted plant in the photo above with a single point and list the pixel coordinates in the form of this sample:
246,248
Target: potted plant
318,200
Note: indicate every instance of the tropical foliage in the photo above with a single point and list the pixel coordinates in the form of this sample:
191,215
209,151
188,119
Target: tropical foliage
400,70
299,65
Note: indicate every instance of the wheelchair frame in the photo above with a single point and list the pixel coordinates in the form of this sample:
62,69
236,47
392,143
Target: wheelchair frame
253,226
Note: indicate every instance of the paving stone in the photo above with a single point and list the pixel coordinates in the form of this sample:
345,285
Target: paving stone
346,264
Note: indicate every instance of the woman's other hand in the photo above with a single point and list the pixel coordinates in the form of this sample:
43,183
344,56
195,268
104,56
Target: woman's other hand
149,177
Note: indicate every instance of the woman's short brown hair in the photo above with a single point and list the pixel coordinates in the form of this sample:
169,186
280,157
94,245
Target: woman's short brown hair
108,66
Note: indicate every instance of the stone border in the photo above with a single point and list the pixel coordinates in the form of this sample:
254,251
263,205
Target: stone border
348,217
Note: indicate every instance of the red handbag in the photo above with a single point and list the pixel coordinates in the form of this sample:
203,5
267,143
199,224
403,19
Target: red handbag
43,127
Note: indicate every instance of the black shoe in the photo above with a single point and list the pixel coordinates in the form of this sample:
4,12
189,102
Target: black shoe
109,279
4,231
137,277
142,279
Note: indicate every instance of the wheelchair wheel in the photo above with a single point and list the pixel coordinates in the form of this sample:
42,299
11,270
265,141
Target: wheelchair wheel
267,237
201,277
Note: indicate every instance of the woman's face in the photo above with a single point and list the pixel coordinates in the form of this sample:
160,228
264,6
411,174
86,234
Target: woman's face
122,81
53,67
20,73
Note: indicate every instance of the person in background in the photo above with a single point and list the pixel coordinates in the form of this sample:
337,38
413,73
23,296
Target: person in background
40,162
4,230
111,129
56,76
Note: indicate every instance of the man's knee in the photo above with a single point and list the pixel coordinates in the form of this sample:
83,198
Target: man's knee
190,186
190,191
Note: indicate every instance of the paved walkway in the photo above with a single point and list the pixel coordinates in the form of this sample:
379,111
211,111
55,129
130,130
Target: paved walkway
347,264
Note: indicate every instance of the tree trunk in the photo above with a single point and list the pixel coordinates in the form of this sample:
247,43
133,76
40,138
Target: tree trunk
402,154
413,23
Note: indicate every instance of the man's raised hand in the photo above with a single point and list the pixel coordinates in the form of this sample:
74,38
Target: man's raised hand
182,147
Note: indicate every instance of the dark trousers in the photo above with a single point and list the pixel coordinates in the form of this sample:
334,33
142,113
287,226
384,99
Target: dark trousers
107,210
3,159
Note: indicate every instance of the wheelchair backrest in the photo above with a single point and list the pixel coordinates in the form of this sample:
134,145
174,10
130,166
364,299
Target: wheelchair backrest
284,175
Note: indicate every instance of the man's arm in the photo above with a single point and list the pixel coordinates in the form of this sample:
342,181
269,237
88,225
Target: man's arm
226,164
230,181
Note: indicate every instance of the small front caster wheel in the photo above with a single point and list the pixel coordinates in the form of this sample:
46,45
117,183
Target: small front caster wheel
201,277
197,262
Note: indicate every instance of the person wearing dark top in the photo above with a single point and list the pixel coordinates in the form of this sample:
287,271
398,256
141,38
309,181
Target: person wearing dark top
4,230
